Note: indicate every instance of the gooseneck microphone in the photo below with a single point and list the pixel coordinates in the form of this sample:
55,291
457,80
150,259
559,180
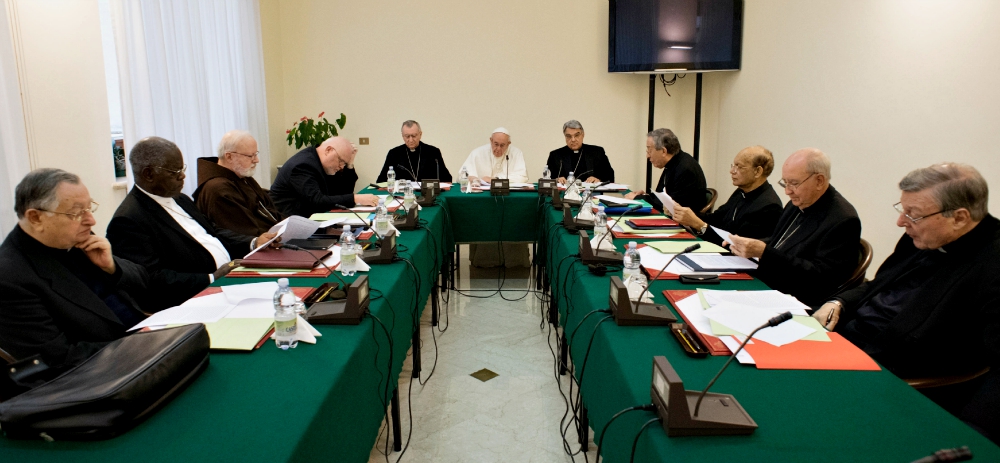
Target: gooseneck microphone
404,169
685,251
508,165
359,218
774,321
611,228
438,164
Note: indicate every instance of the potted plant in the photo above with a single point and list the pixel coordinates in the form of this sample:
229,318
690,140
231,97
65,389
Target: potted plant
312,132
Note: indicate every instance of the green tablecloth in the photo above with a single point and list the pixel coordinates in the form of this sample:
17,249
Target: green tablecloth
314,403
811,416
477,217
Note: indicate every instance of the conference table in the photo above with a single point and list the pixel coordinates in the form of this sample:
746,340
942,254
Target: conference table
326,402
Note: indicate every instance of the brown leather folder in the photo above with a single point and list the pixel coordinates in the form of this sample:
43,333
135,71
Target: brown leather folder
285,258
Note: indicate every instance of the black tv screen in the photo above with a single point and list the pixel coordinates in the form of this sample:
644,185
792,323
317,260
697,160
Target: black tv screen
671,36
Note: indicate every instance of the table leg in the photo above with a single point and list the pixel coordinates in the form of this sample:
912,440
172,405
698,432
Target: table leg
434,305
553,309
397,426
584,430
416,353
563,354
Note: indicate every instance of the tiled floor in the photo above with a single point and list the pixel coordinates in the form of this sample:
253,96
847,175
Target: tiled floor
514,417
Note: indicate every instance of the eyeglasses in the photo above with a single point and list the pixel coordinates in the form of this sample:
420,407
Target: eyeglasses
175,172
339,159
79,215
411,137
899,208
736,167
251,156
794,185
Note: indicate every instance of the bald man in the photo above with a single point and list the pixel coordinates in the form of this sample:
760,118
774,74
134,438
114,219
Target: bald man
498,159
814,248
308,182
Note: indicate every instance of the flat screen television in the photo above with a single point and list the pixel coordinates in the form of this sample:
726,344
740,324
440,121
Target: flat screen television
675,36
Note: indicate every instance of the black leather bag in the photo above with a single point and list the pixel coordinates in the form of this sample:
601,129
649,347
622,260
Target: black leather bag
112,391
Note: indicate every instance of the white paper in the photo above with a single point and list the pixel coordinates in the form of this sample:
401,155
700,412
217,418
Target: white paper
691,308
722,233
618,201
253,308
280,227
668,202
597,243
655,260
718,262
304,332
770,300
295,228
745,319
733,343
613,187
360,265
237,293
205,309
521,185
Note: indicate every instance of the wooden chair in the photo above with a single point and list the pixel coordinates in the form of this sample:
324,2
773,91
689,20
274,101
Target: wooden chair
712,195
864,260
6,357
942,381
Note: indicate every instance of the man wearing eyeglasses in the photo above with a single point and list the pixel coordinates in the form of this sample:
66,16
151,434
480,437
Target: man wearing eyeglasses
63,294
308,182
933,308
682,177
160,228
414,157
814,247
227,192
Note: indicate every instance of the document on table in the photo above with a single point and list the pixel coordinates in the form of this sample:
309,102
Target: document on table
613,187
722,233
745,319
668,202
655,260
237,293
674,247
328,219
691,308
522,185
718,263
733,343
205,309
295,228
770,300
616,200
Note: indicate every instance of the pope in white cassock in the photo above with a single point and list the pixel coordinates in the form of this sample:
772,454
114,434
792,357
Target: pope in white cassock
498,159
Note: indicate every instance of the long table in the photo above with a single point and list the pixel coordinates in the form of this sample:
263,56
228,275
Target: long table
321,402
815,416
326,401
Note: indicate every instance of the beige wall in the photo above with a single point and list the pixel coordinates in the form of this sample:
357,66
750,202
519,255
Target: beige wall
461,69
883,87
61,73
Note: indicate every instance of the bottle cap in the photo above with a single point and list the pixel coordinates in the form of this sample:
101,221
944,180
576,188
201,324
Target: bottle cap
282,282
631,244
347,228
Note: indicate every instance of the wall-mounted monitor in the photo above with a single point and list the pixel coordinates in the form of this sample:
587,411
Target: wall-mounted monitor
675,36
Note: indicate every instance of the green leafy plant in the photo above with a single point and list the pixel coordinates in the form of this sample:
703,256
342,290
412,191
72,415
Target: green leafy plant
312,132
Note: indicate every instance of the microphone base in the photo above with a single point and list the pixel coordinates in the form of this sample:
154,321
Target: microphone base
408,221
348,311
573,224
385,252
644,314
603,257
719,415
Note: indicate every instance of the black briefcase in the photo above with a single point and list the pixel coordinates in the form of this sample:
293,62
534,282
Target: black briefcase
113,390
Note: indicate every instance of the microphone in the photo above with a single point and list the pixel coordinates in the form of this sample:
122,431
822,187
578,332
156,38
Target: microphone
438,164
956,454
359,218
559,172
508,165
685,251
580,176
611,228
774,321
404,169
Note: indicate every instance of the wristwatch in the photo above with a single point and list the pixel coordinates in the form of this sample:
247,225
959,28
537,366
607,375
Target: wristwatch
702,230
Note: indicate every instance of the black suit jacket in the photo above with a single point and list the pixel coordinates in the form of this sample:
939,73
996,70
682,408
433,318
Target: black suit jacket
45,309
303,188
178,266
820,250
684,181
426,162
594,160
952,323
750,214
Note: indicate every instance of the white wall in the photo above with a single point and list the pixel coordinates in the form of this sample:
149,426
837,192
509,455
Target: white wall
61,72
883,87
461,69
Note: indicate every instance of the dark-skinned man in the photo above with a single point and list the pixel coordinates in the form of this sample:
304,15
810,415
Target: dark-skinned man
160,228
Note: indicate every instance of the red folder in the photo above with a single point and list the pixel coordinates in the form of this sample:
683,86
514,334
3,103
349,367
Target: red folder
318,272
285,258
714,345
679,236
662,223
838,354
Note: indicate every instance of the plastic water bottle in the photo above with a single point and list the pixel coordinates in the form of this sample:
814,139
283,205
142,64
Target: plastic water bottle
631,262
390,178
570,180
381,218
600,222
463,181
546,174
348,252
408,196
285,325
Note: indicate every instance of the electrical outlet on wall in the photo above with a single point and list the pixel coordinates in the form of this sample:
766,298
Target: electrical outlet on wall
363,141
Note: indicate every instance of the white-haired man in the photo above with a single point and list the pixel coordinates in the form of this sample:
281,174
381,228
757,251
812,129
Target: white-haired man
227,192
497,159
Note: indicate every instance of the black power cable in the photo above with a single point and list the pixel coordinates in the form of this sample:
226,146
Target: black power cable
635,442
604,430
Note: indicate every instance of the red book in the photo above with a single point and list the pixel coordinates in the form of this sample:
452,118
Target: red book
661,223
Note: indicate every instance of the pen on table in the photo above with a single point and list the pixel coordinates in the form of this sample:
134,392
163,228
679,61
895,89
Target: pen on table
326,293
829,317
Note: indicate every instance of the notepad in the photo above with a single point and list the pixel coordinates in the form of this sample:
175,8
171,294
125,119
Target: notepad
674,247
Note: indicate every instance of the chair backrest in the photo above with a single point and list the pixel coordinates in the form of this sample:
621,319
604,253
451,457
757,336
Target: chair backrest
864,260
941,381
712,195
